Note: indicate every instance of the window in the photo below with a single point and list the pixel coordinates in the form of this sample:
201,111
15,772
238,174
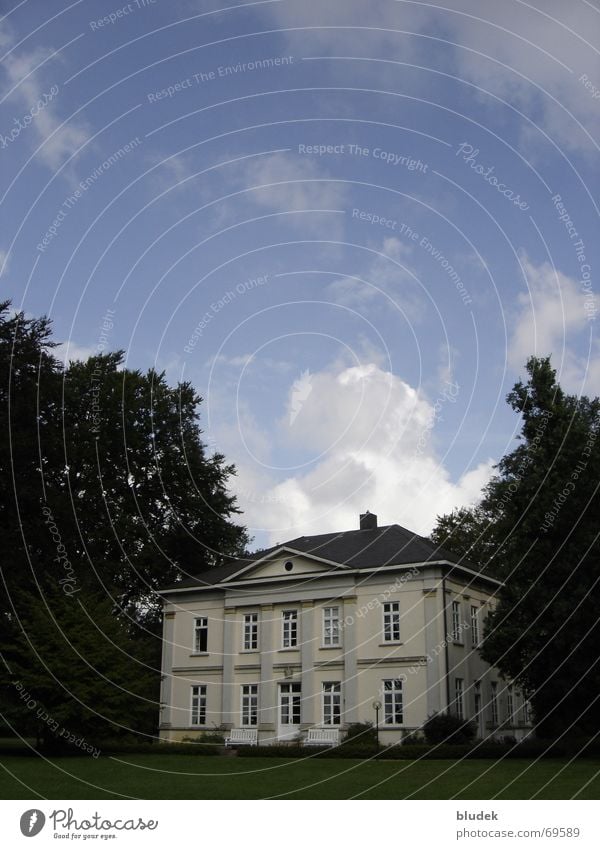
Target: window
249,704
290,629
199,704
332,703
494,702
391,622
392,702
510,703
474,626
290,699
526,712
331,626
456,621
250,631
459,697
201,635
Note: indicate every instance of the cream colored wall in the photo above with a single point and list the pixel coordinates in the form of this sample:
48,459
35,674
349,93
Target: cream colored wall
183,654
419,659
276,568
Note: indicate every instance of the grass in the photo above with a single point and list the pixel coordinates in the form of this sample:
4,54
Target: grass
198,777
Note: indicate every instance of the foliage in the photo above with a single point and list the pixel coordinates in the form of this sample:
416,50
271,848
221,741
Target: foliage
447,728
360,734
542,512
107,495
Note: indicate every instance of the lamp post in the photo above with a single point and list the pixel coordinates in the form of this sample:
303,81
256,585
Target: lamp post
377,707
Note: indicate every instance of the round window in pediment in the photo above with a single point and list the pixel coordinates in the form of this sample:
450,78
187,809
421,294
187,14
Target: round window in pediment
288,565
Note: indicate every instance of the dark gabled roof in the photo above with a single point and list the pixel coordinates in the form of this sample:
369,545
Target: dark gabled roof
390,545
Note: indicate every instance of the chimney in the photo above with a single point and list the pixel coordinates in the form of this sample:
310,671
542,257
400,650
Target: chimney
368,521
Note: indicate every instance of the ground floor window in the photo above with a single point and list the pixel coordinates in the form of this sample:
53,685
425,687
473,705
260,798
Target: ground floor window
332,703
199,704
459,697
494,701
290,700
392,701
510,704
250,704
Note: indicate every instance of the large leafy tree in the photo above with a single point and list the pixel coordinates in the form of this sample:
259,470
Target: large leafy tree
538,528
107,494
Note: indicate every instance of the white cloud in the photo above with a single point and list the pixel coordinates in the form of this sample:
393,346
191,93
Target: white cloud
552,318
536,55
27,72
537,59
303,184
368,434
70,351
386,281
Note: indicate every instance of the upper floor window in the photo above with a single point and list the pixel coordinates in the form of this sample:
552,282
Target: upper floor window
391,622
199,704
456,621
459,697
474,626
332,703
250,631
494,702
331,626
201,634
392,701
526,711
290,629
249,704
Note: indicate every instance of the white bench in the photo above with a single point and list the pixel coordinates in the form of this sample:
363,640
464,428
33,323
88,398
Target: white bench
322,737
242,737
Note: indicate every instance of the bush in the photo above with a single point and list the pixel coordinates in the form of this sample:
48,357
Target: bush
360,735
216,737
446,728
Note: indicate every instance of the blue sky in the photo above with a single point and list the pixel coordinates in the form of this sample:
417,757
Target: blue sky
347,223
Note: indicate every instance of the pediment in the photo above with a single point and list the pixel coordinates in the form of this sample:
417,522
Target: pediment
285,563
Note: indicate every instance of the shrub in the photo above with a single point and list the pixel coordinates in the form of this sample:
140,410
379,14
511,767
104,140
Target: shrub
216,737
446,728
360,735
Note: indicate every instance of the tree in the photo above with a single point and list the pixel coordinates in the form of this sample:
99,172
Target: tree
543,510
468,532
107,494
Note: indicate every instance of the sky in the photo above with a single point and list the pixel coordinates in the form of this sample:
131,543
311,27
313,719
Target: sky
347,223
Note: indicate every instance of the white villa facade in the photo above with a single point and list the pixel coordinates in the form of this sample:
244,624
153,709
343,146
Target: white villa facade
317,632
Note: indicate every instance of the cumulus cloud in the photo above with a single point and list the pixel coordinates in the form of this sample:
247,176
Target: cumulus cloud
552,318
368,435
534,58
27,77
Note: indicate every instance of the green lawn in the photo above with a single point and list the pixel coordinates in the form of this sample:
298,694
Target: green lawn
197,777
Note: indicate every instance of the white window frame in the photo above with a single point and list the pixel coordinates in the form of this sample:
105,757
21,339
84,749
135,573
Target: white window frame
250,632
455,613
391,622
494,702
475,631
200,626
332,699
526,711
331,626
198,695
289,629
459,697
290,702
510,703
393,701
249,705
